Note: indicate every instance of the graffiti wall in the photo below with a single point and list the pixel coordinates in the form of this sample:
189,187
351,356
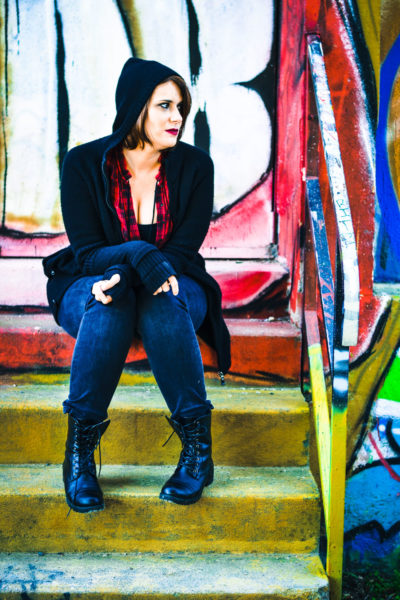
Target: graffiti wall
372,521
60,68
387,257
59,64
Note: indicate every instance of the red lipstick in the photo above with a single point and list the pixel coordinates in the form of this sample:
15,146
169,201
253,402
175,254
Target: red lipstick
173,131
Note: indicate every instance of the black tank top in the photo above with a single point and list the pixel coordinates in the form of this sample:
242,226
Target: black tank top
148,232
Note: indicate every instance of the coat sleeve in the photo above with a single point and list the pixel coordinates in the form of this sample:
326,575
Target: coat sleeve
88,242
184,244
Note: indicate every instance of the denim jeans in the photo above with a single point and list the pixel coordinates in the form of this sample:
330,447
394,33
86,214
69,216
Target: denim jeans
104,332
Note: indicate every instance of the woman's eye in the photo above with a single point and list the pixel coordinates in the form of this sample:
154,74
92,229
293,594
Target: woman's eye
164,105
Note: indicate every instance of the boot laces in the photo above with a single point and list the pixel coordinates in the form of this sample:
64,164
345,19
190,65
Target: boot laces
85,444
190,447
83,448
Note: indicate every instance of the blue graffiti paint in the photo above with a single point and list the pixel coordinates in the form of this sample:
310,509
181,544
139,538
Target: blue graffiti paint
372,521
385,190
367,546
387,266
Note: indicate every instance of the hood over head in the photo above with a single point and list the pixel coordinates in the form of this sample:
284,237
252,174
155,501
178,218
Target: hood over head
135,85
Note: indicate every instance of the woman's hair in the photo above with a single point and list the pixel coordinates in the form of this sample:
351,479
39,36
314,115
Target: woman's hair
137,135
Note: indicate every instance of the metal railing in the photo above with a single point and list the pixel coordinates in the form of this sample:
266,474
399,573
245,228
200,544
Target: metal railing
335,297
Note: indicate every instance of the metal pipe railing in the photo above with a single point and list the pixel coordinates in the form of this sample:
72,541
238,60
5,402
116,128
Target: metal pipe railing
330,142
338,298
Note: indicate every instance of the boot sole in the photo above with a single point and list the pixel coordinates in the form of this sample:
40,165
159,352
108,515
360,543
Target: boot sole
185,501
83,509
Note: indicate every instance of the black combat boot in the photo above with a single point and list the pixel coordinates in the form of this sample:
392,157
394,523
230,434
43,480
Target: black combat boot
195,468
82,490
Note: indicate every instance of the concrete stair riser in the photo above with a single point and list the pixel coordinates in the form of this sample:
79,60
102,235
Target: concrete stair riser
250,427
165,577
269,351
244,510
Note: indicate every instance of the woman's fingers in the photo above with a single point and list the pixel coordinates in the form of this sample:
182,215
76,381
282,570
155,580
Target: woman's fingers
109,283
171,283
100,295
100,287
174,285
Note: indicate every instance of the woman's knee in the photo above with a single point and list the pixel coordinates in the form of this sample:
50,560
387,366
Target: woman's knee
117,316
122,302
80,305
161,313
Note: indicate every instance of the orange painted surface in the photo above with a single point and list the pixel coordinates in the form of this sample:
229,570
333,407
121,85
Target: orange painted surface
268,351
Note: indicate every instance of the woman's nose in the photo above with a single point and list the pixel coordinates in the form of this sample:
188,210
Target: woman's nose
175,115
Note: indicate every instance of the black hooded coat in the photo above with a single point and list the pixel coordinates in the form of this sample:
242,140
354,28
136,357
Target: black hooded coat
94,231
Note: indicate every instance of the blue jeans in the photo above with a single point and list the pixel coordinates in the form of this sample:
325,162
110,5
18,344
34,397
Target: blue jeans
167,325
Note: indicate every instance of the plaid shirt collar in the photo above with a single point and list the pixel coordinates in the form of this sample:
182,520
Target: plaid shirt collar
122,199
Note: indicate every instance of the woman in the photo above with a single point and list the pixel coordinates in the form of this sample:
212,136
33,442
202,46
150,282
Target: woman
136,206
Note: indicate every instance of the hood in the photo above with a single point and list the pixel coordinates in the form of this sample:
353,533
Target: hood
135,85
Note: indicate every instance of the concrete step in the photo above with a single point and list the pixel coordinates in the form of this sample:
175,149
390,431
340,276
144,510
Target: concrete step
165,577
246,509
268,351
242,282
251,426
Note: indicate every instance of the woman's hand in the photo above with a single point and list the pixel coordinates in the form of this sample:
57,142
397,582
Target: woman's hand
171,283
100,287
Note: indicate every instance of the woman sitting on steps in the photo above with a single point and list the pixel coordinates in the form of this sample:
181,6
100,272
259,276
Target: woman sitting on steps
137,206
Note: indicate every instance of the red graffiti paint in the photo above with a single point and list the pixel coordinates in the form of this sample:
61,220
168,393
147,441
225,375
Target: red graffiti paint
383,460
246,229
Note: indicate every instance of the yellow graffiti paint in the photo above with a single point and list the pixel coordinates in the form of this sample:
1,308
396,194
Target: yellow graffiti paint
371,24
321,419
335,524
367,377
393,135
331,436
134,25
390,25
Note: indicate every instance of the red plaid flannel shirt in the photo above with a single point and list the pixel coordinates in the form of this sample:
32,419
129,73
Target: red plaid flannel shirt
122,199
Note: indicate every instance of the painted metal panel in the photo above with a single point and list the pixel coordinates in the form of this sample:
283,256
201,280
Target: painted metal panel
347,242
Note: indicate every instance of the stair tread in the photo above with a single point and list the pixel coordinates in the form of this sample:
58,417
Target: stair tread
148,397
129,481
268,509
289,576
39,322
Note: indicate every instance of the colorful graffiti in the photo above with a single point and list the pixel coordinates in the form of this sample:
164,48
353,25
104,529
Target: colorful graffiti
372,534
353,36
59,99
388,169
373,519
58,79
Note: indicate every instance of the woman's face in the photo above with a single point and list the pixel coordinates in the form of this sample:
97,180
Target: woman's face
164,119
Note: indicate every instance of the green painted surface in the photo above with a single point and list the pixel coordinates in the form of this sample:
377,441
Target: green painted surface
391,387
